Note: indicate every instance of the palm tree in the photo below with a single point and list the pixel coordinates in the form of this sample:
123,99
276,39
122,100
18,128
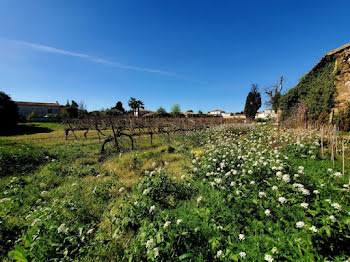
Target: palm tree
133,104
139,104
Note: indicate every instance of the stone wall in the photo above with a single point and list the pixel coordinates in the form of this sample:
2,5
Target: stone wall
342,79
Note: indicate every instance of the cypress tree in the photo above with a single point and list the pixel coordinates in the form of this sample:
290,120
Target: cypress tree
253,102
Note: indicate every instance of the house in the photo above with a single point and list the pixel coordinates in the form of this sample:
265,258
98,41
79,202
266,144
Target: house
150,114
142,112
216,112
190,114
266,115
227,115
40,109
235,116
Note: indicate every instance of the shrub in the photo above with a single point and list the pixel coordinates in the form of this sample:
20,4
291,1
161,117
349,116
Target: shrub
8,114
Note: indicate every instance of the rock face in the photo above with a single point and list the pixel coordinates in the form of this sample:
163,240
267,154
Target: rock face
342,76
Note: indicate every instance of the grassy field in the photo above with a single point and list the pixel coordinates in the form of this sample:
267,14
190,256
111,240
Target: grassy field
232,193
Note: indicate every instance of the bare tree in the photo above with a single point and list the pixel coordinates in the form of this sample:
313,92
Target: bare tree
274,94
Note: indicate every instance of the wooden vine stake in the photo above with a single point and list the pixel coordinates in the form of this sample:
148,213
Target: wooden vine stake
333,150
322,143
343,148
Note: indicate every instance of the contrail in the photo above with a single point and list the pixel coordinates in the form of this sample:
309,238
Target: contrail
95,59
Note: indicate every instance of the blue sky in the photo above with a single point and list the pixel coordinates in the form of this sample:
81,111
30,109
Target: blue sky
199,54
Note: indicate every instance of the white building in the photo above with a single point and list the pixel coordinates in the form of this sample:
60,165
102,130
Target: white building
217,112
266,115
40,109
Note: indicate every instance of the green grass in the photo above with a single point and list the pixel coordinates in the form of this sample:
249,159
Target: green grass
61,200
43,169
52,126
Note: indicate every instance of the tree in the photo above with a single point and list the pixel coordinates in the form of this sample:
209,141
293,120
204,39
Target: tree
70,110
253,102
119,106
274,94
31,116
200,113
175,110
8,114
135,105
132,104
82,110
140,104
74,104
161,112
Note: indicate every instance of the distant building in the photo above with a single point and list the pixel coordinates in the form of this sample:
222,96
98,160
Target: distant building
217,112
142,112
267,114
234,116
40,109
227,115
190,114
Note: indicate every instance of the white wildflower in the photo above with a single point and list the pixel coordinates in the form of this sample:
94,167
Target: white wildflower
286,178
242,254
268,258
219,253
304,205
267,212
167,224
5,199
146,191
300,224
282,200
152,208
336,206
62,228
149,243
337,174
218,180
279,174
313,229
241,237
156,252
274,250
179,221
262,194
